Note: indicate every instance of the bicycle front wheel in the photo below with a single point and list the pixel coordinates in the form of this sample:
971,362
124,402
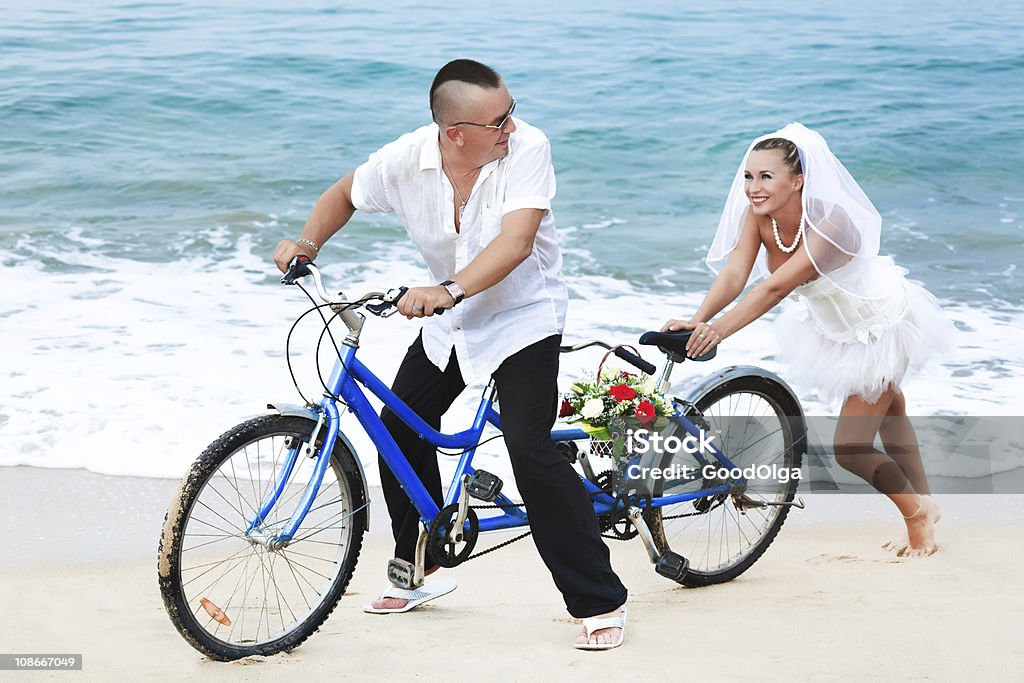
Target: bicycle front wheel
226,586
751,419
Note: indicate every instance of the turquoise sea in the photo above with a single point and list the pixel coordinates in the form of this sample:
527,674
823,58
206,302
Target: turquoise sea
152,154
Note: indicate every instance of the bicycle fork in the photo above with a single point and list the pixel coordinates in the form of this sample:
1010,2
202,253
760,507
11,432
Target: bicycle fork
255,532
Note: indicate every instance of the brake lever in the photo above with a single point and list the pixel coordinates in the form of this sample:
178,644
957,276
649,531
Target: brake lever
387,307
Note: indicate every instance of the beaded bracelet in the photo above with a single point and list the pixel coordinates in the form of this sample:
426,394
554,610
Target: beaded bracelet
310,243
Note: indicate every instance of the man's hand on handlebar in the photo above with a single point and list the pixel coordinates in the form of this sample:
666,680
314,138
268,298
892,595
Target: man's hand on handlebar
421,302
286,250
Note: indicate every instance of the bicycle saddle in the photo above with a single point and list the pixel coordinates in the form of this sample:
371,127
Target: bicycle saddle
674,345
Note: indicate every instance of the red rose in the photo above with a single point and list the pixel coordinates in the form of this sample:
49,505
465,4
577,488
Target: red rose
645,413
622,392
566,410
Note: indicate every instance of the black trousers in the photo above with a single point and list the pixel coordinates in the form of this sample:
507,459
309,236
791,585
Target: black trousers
565,528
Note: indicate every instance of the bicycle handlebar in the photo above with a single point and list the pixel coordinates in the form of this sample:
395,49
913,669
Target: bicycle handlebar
384,304
636,361
631,358
302,265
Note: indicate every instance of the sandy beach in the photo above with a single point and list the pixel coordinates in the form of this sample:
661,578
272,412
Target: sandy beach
825,602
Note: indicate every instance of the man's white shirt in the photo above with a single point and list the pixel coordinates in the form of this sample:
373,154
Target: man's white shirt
529,304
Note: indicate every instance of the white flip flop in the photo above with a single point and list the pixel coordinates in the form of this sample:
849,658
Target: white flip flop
591,624
416,597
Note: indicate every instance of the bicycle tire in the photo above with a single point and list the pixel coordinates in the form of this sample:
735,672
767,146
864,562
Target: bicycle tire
220,494
754,419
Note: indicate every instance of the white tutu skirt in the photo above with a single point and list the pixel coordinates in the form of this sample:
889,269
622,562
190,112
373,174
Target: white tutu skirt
839,346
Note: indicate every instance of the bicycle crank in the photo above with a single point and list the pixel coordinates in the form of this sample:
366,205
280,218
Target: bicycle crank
448,542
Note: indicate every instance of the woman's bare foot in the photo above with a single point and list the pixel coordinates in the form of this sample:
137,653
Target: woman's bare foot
921,529
602,636
900,544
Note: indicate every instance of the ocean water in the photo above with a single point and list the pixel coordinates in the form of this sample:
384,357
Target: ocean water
152,154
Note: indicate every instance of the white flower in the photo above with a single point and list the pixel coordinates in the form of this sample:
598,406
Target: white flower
649,387
592,408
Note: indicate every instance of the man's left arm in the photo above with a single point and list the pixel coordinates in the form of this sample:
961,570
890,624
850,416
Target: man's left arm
511,247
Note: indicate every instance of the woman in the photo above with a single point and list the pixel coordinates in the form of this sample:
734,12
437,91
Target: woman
863,324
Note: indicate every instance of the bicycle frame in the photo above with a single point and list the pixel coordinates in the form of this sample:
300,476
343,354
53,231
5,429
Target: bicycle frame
347,375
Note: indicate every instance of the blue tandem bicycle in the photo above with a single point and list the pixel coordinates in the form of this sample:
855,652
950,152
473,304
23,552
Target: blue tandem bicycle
265,529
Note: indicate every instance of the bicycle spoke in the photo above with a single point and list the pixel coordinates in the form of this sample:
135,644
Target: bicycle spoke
221,562
713,532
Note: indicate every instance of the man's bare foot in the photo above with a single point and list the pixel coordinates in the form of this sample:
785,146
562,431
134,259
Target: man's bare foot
921,529
602,636
398,603
389,603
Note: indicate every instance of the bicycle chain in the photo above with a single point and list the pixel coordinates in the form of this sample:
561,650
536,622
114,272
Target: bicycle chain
522,536
503,543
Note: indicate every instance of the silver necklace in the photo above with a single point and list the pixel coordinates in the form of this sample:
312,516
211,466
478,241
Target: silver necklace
462,202
778,240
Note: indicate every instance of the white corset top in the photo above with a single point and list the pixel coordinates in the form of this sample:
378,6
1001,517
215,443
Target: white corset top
843,317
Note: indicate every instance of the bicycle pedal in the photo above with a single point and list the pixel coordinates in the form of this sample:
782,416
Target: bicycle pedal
484,486
672,565
402,573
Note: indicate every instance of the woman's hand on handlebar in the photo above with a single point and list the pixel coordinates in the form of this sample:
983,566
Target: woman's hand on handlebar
421,302
286,250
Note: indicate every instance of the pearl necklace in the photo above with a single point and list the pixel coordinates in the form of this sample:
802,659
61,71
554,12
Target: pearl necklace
778,240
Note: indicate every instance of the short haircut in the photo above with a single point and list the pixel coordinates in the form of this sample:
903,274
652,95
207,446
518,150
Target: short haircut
465,71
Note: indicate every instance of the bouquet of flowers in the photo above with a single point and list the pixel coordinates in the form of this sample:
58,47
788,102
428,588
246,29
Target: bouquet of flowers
614,402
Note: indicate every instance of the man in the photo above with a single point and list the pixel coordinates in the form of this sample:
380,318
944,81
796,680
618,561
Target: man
474,191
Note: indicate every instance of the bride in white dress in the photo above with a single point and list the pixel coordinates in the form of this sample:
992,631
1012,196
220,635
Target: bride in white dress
797,222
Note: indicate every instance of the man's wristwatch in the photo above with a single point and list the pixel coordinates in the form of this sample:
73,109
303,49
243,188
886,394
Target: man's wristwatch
455,289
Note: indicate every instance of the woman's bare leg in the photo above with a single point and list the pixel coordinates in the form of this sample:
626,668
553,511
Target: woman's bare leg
900,443
859,423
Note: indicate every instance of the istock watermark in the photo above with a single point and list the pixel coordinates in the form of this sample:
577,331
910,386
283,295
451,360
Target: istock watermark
640,441
716,472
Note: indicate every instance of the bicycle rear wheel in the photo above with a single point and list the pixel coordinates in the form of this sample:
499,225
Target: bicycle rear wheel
751,418
229,592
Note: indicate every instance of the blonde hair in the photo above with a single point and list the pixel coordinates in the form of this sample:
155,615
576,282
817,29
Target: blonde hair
790,153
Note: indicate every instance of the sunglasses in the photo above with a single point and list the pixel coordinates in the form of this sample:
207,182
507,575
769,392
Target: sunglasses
499,126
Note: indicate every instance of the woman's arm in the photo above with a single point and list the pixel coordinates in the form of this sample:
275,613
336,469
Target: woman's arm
730,281
797,269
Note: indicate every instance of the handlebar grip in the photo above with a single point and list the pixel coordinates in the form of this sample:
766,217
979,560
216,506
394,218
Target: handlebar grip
437,311
635,361
298,268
